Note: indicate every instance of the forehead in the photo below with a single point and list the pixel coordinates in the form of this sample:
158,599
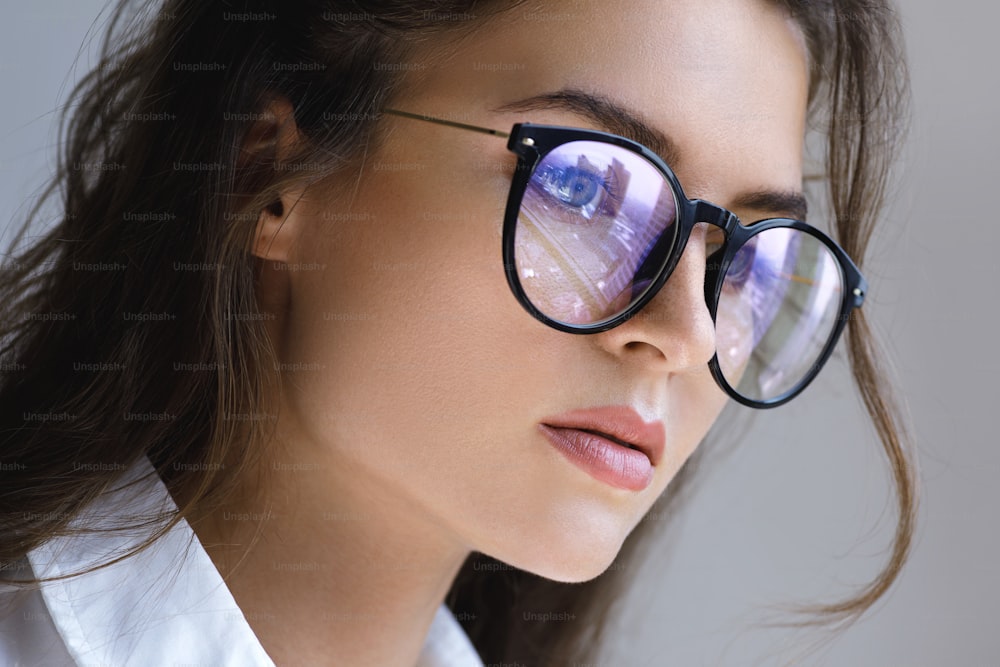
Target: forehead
724,79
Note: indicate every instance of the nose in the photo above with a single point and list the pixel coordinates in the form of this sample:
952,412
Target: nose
673,332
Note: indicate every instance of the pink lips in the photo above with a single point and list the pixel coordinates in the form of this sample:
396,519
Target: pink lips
613,444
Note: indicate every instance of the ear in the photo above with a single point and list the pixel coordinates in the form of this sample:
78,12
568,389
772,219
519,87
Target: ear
272,138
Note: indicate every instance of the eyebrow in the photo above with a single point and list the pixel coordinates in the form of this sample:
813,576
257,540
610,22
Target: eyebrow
789,204
602,111
617,119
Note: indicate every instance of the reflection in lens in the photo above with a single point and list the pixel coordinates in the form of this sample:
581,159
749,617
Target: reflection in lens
777,310
590,218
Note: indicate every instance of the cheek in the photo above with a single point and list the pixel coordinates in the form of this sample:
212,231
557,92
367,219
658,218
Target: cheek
424,348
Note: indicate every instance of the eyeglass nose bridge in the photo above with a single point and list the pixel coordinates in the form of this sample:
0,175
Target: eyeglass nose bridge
713,214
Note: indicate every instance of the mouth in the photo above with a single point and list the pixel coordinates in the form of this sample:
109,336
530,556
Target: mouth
618,424
605,457
610,437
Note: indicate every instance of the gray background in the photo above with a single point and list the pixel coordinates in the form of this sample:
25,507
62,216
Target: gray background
801,511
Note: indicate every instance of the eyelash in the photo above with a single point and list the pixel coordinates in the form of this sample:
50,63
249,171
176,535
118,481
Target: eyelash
553,179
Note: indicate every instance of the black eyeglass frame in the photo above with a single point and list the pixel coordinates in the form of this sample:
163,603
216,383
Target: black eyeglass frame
532,142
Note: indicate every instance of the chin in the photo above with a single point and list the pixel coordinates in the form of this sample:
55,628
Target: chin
573,568
575,555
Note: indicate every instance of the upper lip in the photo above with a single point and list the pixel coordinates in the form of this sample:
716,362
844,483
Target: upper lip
617,422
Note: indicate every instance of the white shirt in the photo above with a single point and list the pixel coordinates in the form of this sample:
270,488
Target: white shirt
167,606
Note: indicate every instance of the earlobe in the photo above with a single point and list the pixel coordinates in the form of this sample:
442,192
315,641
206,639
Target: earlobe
271,139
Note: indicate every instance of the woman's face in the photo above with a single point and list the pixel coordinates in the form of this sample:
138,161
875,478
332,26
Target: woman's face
413,374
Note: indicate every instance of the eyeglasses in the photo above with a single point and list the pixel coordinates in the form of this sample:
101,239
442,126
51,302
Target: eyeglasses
595,224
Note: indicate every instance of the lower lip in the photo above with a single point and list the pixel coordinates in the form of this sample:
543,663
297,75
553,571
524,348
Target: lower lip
605,460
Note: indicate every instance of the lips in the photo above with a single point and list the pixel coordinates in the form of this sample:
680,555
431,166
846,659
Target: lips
618,423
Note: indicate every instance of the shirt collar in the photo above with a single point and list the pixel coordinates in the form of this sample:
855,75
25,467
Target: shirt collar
121,614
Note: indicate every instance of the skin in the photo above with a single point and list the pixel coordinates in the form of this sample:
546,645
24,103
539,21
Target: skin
413,439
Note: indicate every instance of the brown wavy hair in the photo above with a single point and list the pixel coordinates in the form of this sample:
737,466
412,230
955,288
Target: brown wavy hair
137,234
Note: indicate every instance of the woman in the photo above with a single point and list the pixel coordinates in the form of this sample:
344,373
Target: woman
416,305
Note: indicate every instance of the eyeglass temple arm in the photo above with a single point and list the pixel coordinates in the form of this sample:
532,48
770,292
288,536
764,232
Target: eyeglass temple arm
450,123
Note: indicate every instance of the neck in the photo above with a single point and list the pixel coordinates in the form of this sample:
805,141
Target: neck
335,565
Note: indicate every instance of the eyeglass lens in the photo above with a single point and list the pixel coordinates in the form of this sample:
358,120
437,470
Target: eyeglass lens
590,218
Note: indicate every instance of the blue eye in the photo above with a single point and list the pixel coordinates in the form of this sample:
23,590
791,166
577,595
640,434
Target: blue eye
579,190
576,187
